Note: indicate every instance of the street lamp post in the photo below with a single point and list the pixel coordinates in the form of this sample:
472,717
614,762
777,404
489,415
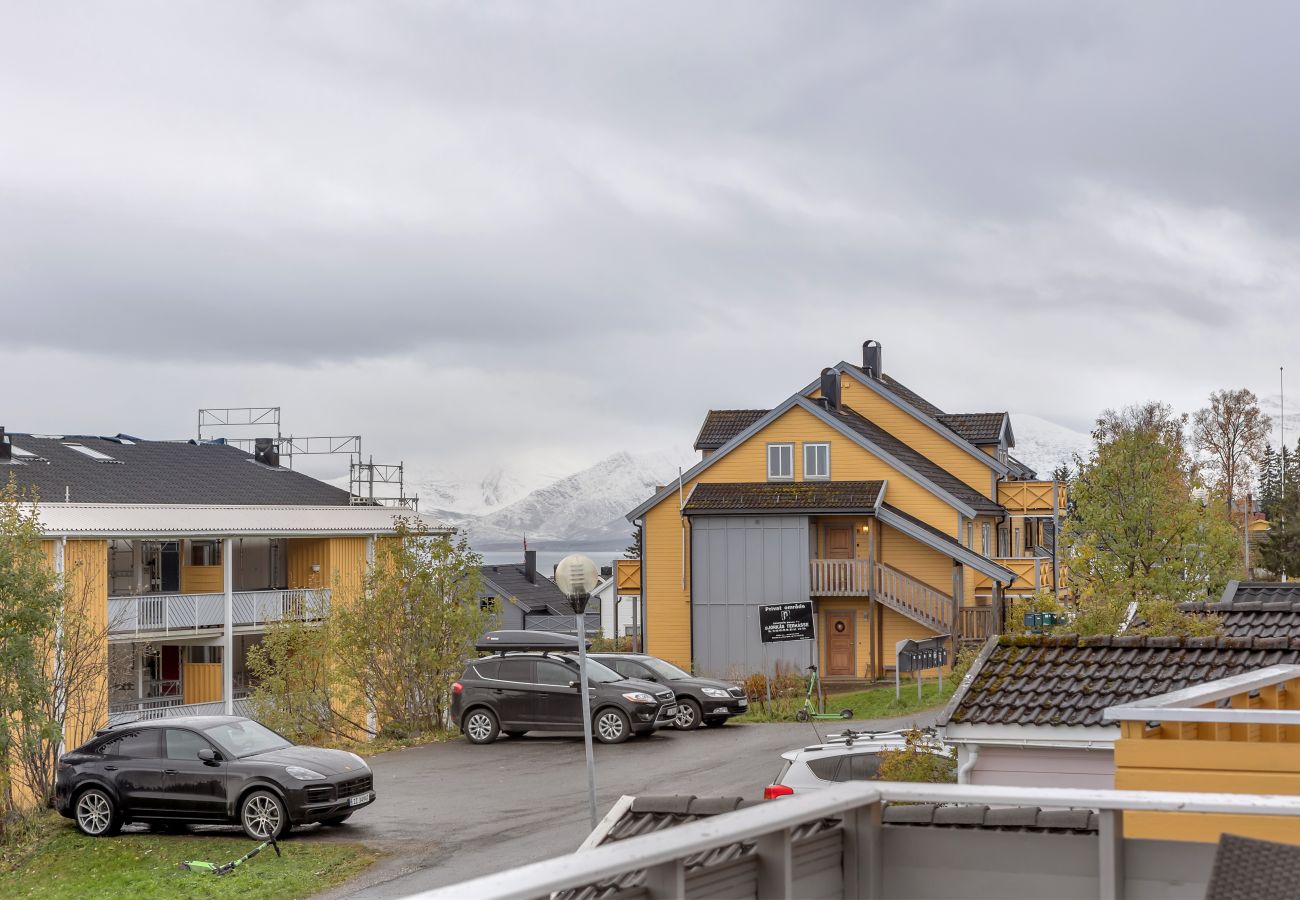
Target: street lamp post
576,576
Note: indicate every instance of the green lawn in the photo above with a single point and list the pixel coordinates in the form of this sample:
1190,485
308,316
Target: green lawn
873,703
59,862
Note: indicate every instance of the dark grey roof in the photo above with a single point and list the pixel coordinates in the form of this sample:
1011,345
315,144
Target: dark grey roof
998,818
910,396
159,472
721,425
1071,680
800,496
978,428
509,580
1252,609
922,464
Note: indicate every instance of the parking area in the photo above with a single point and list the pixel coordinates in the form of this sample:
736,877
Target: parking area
451,811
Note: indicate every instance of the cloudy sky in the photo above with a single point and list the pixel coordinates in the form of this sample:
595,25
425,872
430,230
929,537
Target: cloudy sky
536,233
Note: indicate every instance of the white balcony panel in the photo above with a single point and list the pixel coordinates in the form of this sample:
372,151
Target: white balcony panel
177,614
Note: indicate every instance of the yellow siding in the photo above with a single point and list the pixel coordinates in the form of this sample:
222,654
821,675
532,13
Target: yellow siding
307,562
201,682
915,559
202,579
347,566
897,627
668,621
920,437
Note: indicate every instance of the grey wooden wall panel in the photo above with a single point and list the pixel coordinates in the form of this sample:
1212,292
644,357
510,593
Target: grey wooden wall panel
738,564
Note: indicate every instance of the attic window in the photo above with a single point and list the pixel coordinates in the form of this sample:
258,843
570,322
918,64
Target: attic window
92,453
21,453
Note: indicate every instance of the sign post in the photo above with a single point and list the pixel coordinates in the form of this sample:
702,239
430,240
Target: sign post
577,576
917,656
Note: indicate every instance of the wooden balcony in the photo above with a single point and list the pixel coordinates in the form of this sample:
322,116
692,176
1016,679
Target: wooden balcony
840,578
1031,573
1032,497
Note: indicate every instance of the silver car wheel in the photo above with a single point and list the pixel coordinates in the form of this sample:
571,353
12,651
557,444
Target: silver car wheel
610,726
478,726
94,812
262,816
685,716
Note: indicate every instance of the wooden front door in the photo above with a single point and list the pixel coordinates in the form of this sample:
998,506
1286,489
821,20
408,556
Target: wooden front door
839,542
841,660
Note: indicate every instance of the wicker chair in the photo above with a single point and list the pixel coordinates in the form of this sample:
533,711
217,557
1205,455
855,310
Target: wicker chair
1248,869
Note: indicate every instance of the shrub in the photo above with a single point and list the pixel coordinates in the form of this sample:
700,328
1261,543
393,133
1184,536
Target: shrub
922,759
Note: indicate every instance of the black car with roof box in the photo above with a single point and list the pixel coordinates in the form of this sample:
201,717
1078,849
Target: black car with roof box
699,700
531,684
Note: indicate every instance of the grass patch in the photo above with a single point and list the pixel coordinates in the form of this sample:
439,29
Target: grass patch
872,703
384,744
60,862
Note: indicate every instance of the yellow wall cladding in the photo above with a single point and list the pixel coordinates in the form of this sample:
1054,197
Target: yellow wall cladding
202,682
668,620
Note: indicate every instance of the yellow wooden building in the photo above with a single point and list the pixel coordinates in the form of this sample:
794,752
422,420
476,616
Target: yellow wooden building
181,554
896,520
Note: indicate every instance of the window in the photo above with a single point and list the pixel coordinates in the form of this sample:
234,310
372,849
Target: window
247,738
205,553
1004,543
553,673
817,461
137,745
183,744
486,669
780,462
92,453
827,768
970,534
864,766
984,539
487,603
516,669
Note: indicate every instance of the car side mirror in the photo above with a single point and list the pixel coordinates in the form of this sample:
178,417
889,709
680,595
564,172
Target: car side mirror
209,756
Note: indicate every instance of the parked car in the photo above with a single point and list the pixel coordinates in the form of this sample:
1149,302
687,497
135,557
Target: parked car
207,769
531,684
849,756
699,700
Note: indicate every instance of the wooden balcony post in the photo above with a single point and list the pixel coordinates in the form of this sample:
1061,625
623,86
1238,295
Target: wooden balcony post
958,591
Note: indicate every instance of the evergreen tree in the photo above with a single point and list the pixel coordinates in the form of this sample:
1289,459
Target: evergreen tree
633,550
1269,487
1280,551
1140,529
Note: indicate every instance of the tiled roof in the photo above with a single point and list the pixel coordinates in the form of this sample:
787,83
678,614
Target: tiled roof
978,428
917,461
785,496
510,580
1069,680
721,425
159,472
1256,609
998,818
910,396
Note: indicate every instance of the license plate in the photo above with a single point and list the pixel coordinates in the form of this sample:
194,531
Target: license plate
359,799
670,710
744,702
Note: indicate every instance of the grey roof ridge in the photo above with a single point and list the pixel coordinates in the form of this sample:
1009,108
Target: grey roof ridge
968,679
929,421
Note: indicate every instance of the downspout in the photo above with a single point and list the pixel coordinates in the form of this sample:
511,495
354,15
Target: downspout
61,691
964,769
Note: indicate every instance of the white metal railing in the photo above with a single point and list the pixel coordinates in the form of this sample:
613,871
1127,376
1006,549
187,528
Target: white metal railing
190,613
907,595
662,855
839,577
135,713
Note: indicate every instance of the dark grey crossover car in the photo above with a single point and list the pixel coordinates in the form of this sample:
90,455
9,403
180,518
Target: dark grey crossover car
699,700
207,769
531,684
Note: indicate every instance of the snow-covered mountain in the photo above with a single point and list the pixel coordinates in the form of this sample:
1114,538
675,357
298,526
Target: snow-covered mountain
1043,445
587,507
503,506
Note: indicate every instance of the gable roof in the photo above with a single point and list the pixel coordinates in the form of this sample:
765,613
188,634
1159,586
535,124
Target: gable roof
721,425
785,497
978,428
1068,680
922,464
159,472
509,580
1252,609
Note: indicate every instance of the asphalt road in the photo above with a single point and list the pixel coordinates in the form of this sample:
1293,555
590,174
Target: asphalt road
452,811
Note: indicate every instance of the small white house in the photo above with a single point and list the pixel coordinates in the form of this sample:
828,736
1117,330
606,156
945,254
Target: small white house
619,616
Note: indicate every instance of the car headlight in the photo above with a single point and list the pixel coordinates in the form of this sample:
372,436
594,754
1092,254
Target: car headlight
361,762
638,697
303,774
714,692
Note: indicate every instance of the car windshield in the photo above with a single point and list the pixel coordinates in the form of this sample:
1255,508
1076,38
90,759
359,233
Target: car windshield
246,738
598,672
665,670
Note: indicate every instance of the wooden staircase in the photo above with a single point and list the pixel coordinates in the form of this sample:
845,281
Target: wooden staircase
914,599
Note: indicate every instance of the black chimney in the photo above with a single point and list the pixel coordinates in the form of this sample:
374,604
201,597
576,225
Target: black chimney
6,448
831,388
872,363
266,452
530,566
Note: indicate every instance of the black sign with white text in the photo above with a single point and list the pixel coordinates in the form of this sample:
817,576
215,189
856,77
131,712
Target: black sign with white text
786,622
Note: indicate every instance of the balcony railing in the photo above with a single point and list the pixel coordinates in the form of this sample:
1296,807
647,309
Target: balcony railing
168,614
1032,574
759,851
1032,496
121,713
975,623
840,577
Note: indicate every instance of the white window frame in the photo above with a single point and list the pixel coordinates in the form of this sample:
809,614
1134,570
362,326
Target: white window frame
789,448
813,446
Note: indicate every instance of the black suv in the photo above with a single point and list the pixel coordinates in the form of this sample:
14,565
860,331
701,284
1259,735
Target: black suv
212,769
524,688
704,700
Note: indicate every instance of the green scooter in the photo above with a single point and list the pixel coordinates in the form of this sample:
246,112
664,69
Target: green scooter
808,711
